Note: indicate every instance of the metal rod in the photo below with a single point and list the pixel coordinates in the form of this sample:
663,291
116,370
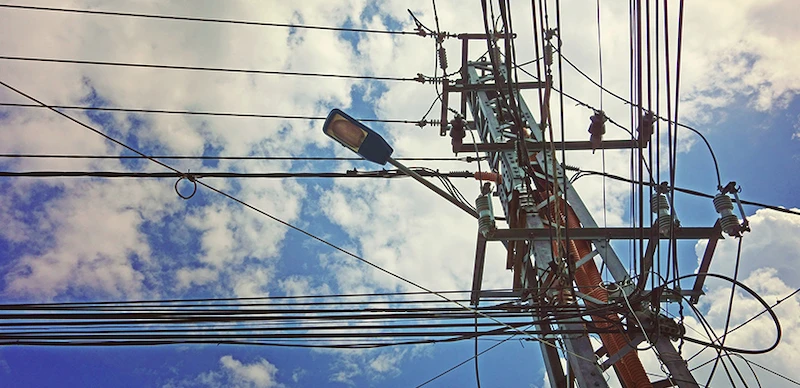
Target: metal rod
433,187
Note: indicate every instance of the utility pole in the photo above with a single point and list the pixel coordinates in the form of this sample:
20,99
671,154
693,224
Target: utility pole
553,241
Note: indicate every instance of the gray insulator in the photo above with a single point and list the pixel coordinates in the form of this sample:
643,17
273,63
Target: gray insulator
722,203
728,220
660,206
658,202
664,224
485,217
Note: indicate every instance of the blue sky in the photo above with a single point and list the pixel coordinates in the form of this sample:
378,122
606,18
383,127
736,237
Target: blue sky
81,239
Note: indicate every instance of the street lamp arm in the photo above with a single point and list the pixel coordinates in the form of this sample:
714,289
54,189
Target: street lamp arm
433,187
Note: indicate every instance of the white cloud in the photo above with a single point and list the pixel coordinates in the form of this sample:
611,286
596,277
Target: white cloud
236,374
259,374
98,232
768,254
387,363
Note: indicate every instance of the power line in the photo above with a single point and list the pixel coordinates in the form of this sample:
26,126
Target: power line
419,123
765,310
224,174
454,367
420,78
251,298
682,190
287,224
205,20
626,101
189,157
771,371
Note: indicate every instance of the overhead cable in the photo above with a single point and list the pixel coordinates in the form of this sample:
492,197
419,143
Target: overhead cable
289,225
419,123
682,190
205,20
224,174
210,69
220,157
626,101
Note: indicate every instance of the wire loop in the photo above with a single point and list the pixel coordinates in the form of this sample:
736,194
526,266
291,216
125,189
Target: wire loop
191,178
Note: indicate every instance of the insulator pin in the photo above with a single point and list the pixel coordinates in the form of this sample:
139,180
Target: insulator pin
729,221
646,128
660,206
597,129
486,223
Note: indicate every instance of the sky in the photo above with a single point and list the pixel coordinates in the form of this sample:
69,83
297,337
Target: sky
95,239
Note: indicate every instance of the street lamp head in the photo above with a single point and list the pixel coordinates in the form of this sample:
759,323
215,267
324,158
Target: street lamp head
356,136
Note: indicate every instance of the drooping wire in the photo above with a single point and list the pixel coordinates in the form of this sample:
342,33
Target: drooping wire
755,295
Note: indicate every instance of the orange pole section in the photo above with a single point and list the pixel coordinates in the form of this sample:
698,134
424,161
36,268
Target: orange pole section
588,277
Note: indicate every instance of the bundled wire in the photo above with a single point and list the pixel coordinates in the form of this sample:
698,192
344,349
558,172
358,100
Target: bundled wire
344,321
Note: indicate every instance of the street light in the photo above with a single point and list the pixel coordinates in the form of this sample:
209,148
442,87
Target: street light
362,140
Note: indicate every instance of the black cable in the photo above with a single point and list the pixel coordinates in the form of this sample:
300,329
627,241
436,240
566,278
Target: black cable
149,301
682,190
89,127
730,356
253,298
419,123
200,68
763,311
730,310
579,102
206,20
477,368
454,367
756,296
204,157
624,100
262,212
771,371
224,174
